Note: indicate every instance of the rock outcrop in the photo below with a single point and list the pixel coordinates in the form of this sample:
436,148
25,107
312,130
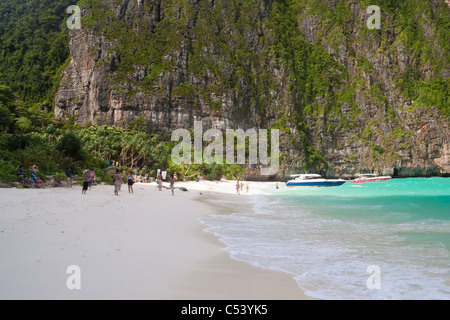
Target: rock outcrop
341,107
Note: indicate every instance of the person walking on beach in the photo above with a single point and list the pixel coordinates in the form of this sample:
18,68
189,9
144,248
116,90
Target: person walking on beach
246,187
172,184
160,178
91,178
117,179
238,185
130,182
86,179
69,177
94,177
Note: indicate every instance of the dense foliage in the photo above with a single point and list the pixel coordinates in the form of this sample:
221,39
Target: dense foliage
34,48
416,21
30,136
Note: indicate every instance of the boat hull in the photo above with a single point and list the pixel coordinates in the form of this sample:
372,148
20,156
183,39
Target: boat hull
328,183
364,180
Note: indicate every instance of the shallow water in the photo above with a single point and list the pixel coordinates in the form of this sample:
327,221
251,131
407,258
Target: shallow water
327,238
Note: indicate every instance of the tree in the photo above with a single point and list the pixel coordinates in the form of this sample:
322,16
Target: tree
70,145
5,118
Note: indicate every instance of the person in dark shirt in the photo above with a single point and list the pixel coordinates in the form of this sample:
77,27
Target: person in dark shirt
86,178
21,176
130,182
69,177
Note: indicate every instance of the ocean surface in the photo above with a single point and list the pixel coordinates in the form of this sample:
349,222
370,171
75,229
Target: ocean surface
333,241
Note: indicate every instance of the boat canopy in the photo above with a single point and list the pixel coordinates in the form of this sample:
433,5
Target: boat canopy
368,175
306,176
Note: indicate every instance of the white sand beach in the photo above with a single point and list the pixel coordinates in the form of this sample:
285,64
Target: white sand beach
145,245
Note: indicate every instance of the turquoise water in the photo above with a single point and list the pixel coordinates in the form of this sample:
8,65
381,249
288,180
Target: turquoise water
394,201
327,238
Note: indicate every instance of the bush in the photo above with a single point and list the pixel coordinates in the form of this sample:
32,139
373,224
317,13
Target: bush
5,118
15,142
24,125
104,177
7,171
70,145
95,162
60,175
233,171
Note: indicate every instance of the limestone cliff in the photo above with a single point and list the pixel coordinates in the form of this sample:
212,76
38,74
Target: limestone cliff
345,97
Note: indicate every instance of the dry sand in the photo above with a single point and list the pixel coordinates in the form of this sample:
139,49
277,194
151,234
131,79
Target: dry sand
145,245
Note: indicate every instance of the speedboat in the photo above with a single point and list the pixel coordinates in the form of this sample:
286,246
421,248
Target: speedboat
312,180
370,177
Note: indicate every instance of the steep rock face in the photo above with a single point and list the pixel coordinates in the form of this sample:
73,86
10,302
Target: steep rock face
335,90
389,134
93,89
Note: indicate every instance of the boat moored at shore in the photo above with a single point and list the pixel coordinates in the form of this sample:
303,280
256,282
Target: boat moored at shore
370,177
312,180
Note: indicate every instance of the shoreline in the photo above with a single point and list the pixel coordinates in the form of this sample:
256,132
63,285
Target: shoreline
255,283
52,184
146,245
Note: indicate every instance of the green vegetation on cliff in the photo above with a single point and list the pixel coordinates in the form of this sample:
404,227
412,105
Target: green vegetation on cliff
34,43
319,56
30,136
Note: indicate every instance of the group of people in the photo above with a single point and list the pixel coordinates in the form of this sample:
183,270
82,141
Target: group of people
117,179
89,178
34,179
172,180
240,187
